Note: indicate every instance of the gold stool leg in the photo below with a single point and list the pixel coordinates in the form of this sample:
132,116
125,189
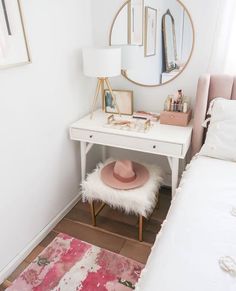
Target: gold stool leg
140,236
93,213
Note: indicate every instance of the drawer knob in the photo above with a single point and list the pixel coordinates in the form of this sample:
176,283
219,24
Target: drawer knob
91,136
154,147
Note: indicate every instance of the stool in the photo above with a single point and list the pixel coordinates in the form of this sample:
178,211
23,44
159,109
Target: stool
140,201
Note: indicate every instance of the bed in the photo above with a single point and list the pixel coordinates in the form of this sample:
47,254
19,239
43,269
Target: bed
201,226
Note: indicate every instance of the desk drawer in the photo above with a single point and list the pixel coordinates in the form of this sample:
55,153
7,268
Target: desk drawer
127,142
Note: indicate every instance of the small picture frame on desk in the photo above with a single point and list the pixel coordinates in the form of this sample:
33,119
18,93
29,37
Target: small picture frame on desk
124,100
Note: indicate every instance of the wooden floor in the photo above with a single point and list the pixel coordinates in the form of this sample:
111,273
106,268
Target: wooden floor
115,231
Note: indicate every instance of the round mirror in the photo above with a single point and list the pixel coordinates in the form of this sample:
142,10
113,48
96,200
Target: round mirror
157,40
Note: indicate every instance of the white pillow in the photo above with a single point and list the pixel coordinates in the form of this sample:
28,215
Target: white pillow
221,135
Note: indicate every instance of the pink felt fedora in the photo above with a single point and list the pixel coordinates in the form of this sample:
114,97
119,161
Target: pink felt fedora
124,175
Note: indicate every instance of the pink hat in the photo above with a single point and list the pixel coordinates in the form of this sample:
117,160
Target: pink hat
124,175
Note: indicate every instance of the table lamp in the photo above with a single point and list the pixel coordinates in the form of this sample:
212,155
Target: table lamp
102,63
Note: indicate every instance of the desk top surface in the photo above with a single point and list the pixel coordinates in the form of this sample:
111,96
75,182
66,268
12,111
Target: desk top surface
160,132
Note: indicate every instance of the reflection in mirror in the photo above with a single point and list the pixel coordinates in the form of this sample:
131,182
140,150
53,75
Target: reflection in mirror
160,38
169,38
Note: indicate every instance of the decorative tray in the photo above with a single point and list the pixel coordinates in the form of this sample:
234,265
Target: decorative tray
128,123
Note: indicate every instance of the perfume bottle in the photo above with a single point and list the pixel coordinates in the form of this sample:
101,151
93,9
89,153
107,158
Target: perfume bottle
185,107
180,97
167,106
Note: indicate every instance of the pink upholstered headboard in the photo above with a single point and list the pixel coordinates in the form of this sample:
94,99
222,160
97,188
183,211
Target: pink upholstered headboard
209,87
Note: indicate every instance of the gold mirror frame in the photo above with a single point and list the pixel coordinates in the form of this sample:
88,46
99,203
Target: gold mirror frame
169,68
123,73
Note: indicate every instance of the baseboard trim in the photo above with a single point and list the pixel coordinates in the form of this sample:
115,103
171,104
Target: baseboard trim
7,271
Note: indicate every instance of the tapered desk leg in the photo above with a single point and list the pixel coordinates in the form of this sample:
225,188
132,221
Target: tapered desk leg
175,175
104,153
83,160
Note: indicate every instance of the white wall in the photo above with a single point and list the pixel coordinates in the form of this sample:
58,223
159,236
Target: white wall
204,18
39,165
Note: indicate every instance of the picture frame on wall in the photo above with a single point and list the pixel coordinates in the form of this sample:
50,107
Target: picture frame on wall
135,22
150,31
124,99
14,49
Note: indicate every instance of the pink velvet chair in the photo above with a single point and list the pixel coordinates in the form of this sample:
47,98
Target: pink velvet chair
209,87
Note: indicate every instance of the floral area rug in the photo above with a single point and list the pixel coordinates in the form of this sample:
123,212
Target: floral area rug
69,264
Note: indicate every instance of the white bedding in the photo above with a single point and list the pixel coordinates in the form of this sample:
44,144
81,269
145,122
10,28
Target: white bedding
199,230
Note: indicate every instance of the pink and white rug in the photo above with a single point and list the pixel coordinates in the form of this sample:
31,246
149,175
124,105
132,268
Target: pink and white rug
69,264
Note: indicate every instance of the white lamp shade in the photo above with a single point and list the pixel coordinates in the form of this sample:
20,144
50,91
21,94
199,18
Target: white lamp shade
102,62
129,57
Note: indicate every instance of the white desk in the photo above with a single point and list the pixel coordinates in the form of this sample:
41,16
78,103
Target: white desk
170,141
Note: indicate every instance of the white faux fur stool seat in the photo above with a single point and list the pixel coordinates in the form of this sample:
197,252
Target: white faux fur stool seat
140,201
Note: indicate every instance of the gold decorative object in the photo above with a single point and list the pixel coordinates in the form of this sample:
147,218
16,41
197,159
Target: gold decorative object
129,124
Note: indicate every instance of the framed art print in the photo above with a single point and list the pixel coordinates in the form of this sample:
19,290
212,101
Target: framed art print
150,31
124,99
135,22
14,48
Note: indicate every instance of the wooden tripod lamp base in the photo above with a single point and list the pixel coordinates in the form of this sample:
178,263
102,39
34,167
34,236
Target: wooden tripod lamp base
100,89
